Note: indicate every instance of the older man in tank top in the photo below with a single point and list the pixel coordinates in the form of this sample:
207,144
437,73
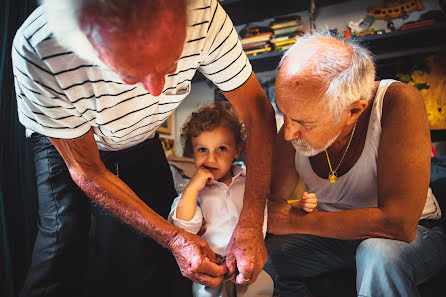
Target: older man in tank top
363,147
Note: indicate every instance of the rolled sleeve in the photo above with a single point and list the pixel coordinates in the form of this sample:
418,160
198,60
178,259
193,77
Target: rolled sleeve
193,225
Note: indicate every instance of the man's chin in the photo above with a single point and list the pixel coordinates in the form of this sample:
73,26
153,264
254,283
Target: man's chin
305,149
306,153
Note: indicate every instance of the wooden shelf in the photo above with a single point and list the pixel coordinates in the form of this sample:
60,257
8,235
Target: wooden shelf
385,47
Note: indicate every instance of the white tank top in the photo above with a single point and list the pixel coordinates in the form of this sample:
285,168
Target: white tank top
357,188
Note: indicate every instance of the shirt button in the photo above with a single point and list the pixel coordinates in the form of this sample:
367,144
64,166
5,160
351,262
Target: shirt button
228,193
234,218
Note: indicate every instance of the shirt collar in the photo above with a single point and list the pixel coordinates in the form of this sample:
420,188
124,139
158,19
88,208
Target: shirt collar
237,171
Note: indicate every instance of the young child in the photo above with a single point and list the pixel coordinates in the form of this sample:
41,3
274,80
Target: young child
216,137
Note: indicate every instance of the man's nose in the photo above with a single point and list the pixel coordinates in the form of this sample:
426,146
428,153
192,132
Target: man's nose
292,131
154,84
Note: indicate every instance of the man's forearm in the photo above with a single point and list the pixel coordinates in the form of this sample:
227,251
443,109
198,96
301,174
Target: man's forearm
111,193
350,224
261,132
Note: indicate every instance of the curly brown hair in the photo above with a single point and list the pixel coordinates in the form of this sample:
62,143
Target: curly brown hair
208,118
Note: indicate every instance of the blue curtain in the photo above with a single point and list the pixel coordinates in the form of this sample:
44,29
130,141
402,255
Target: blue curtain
18,201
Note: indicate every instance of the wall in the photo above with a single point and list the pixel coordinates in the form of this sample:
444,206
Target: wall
334,16
338,15
201,94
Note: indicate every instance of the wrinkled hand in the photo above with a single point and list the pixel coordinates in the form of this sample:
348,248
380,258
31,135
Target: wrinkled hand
196,260
246,254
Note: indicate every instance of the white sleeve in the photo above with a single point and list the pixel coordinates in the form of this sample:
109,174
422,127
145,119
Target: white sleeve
42,104
223,60
192,226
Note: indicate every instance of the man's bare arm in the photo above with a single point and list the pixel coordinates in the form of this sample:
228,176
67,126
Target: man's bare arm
403,178
257,114
284,178
87,170
246,248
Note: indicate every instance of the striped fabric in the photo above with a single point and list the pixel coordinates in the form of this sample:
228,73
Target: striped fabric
61,95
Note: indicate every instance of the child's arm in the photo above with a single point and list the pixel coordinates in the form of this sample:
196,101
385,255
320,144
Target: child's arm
186,206
308,202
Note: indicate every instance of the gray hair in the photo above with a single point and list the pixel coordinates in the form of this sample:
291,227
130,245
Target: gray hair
348,77
63,17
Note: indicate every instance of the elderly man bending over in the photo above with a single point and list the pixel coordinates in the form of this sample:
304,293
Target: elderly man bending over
363,147
94,81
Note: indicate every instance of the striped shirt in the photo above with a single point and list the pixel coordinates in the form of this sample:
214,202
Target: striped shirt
63,96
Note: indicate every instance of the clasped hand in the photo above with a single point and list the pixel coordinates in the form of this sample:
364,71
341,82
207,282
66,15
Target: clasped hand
196,260
246,256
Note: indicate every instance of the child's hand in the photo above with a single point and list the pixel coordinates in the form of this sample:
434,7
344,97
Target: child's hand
199,179
308,202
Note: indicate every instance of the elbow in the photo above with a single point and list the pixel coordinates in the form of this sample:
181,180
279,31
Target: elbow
409,231
402,230
85,178
81,179
405,234
411,236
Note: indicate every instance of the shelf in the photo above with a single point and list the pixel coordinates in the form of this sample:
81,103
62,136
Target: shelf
387,46
397,44
438,135
247,11
422,40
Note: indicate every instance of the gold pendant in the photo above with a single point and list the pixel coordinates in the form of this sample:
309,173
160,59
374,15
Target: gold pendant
332,177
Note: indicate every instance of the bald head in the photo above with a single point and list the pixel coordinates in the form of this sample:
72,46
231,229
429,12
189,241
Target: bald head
152,20
76,23
312,55
140,40
337,71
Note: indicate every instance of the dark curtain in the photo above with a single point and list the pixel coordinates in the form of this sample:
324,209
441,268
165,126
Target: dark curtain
18,200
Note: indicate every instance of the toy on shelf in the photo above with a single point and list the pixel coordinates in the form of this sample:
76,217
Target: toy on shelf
395,9
359,27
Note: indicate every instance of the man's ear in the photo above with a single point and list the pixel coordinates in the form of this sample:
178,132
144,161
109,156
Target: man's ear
356,109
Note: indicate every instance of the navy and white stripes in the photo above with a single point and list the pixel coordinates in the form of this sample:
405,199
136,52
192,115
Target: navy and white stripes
61,95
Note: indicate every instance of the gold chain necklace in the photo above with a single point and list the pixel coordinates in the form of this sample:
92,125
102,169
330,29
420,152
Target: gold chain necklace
333,176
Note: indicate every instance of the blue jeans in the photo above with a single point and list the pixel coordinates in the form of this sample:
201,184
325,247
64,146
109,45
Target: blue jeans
384,267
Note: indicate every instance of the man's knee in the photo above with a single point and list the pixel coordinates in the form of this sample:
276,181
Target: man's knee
380,254
282,245
279,248
287,255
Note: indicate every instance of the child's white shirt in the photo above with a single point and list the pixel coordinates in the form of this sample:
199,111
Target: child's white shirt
220,205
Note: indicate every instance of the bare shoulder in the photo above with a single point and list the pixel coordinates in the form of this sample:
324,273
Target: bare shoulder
405,125
403,101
